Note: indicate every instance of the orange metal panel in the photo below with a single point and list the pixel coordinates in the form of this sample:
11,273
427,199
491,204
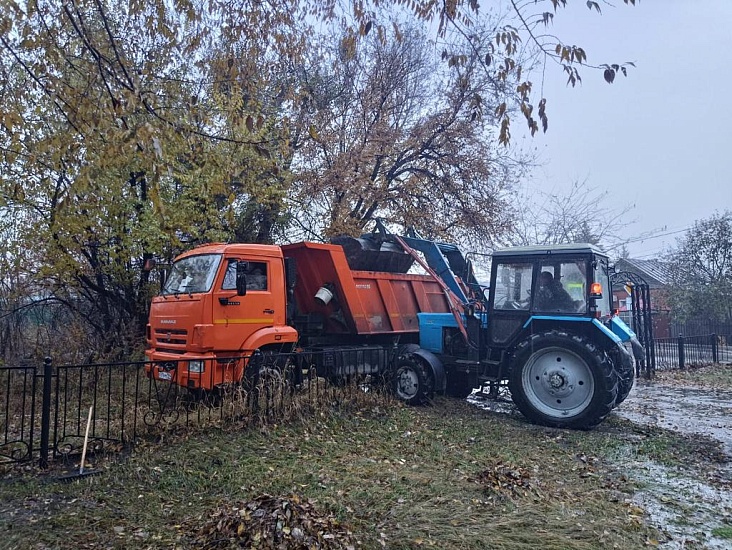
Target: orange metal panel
366,302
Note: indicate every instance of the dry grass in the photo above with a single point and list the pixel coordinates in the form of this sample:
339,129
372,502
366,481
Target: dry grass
446,476
707,376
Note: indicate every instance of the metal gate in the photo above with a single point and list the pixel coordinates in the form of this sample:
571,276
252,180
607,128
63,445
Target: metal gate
641,319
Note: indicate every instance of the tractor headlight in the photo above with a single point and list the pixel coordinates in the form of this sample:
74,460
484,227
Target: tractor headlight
196,366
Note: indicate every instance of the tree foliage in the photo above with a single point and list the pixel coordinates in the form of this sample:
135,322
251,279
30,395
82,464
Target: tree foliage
701,270
115,150
134,130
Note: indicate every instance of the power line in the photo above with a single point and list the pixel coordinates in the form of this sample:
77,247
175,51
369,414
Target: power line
639,239
648,238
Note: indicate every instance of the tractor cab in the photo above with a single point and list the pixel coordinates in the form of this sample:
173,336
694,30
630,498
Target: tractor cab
538,285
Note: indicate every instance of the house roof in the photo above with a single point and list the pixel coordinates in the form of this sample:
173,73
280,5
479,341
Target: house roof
653,271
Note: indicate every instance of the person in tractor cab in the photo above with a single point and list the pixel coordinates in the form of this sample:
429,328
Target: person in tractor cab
551,296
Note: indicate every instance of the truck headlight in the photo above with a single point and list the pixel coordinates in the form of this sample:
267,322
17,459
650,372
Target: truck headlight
196,366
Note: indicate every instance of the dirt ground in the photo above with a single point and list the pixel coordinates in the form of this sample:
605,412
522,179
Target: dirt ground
689,504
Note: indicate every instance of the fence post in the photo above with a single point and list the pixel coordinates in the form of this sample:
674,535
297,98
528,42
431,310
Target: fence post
715,352
681,351
46,411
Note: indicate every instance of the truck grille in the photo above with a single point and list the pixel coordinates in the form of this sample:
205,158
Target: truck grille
169,350
170,338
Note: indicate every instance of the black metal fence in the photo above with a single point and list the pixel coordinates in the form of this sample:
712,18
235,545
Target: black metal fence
688,351
722,330
44,409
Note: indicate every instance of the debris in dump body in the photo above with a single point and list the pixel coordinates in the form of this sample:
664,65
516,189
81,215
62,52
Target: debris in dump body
269,522
372,253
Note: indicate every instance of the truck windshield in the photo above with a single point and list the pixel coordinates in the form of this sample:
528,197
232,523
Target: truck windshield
192,274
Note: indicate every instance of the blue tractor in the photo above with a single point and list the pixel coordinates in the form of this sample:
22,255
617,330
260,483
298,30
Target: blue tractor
544,327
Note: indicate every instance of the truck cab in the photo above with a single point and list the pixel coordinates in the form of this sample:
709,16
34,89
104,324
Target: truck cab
199,321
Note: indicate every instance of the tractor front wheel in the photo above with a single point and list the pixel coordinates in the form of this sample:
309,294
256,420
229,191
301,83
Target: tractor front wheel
625,372
411,381
562,380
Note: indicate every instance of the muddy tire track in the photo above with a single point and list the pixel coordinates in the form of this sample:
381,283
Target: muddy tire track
692,505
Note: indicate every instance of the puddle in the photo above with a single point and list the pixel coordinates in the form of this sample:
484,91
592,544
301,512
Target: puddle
685,504
685,410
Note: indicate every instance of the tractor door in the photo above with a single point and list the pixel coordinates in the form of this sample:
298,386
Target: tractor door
566,291
510,300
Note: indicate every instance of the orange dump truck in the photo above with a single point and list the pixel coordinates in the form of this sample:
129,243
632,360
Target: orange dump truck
222,302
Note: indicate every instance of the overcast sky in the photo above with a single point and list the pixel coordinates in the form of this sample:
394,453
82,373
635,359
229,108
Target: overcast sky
659,139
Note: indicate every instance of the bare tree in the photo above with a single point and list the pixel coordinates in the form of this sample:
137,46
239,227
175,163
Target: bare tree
580,215
394,135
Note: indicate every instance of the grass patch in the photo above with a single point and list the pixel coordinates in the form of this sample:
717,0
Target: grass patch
384,475
722,532
708,376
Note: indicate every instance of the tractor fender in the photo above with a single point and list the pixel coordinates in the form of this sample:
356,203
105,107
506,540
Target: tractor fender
639,352
435,365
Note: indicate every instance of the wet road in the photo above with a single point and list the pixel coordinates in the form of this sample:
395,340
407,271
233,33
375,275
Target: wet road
691,506
694,508
685,410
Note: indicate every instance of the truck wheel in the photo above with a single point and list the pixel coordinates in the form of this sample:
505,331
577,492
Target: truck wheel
269,368
562,380
411,381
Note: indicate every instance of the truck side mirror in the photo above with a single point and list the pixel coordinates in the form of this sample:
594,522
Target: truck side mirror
241,278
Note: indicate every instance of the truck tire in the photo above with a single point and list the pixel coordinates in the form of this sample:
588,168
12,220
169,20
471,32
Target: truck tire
273,368
411,381
562,380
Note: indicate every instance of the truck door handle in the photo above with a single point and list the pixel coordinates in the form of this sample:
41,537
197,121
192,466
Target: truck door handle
270,311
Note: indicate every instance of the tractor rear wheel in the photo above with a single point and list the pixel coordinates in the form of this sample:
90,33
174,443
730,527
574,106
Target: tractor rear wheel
411,380
562,380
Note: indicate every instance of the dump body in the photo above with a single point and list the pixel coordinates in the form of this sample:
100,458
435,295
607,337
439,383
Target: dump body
364,302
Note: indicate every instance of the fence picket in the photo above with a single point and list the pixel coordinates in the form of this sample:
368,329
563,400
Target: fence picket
127,404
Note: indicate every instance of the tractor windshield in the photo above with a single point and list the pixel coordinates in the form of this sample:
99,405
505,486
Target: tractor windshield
192,274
